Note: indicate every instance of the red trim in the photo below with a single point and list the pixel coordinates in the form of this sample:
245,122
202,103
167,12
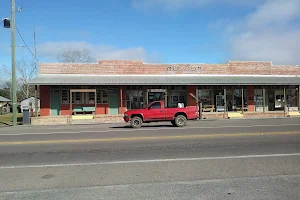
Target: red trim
190,100
44,101
250,101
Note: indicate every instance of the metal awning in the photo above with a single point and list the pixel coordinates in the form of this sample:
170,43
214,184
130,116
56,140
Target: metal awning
83,79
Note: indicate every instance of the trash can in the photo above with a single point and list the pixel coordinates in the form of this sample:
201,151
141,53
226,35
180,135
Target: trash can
26,116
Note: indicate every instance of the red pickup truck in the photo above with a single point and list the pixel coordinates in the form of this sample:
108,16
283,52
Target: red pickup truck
157,112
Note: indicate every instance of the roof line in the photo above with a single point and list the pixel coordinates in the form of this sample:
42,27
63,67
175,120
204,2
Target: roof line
169,75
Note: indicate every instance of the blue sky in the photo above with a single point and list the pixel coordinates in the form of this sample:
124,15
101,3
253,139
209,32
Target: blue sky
165,31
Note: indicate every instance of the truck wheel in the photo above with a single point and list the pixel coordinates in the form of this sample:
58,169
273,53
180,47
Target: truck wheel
180,120
173,122
136,122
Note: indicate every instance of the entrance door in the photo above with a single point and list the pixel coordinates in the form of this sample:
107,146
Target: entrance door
271,101
113,101
279,99
54,102
220,103
155,96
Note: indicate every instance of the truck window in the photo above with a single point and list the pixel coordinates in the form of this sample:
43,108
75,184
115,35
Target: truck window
155,105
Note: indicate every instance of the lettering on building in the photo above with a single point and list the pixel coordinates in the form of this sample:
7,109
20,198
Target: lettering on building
190,68
156,90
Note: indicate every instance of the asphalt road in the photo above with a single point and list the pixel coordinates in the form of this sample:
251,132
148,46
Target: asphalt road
217,159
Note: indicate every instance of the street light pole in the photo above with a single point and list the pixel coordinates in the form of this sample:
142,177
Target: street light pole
13,62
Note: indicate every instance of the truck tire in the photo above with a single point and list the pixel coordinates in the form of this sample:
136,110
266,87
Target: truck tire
173,122
136,122
180,121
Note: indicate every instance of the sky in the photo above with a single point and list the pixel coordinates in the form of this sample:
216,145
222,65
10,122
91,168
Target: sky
157,31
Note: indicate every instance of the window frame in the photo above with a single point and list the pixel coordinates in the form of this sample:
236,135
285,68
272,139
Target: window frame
155,107
102,95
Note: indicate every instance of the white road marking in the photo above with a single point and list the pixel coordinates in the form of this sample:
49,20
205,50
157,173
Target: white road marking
145,129
151,161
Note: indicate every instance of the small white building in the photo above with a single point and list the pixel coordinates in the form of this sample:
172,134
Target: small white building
4,105
29,103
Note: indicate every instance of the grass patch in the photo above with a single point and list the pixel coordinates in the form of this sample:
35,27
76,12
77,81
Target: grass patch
7,119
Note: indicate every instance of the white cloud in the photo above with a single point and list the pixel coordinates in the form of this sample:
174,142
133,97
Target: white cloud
274,13
176,5
270,33
51,49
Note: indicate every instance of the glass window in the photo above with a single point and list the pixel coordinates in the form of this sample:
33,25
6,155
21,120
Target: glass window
102,96
258,99
134,99
155,105
238,99
178,97
99,98
65,96
219,100
245,98
205,96
76,97
91,97
230,99
291,97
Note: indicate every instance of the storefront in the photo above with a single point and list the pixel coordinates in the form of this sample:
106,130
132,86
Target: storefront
139,96
213,98
112,87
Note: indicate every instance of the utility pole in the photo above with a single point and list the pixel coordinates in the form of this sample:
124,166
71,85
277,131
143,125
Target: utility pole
13,62
35,87
34,49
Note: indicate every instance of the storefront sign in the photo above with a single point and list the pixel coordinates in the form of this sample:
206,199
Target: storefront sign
184,68
156,90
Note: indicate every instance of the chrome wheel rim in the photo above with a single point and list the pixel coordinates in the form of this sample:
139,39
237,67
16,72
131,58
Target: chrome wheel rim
136,122
181,121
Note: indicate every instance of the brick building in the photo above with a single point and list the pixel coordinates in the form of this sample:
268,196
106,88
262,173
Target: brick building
109,87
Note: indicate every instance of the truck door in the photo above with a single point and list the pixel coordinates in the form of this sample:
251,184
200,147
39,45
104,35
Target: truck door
155,112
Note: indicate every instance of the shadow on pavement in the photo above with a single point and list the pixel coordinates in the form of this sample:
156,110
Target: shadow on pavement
4,124
144,126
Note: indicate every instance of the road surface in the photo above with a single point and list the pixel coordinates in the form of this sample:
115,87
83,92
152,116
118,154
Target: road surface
217,159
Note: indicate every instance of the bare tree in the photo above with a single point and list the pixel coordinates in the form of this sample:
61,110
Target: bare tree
25,71
75,56
5,89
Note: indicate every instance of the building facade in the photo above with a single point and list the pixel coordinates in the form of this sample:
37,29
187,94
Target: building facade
110,87
4,105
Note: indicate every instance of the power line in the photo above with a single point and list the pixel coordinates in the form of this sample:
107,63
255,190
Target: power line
26,44
2,21
9,14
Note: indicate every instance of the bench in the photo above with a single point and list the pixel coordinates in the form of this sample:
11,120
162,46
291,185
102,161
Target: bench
210,108
83,109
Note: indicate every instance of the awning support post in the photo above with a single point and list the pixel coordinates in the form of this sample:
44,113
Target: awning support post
225,103
242,100
264,100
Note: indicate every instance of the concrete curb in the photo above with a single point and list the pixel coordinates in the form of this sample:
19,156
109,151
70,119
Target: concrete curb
252,118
